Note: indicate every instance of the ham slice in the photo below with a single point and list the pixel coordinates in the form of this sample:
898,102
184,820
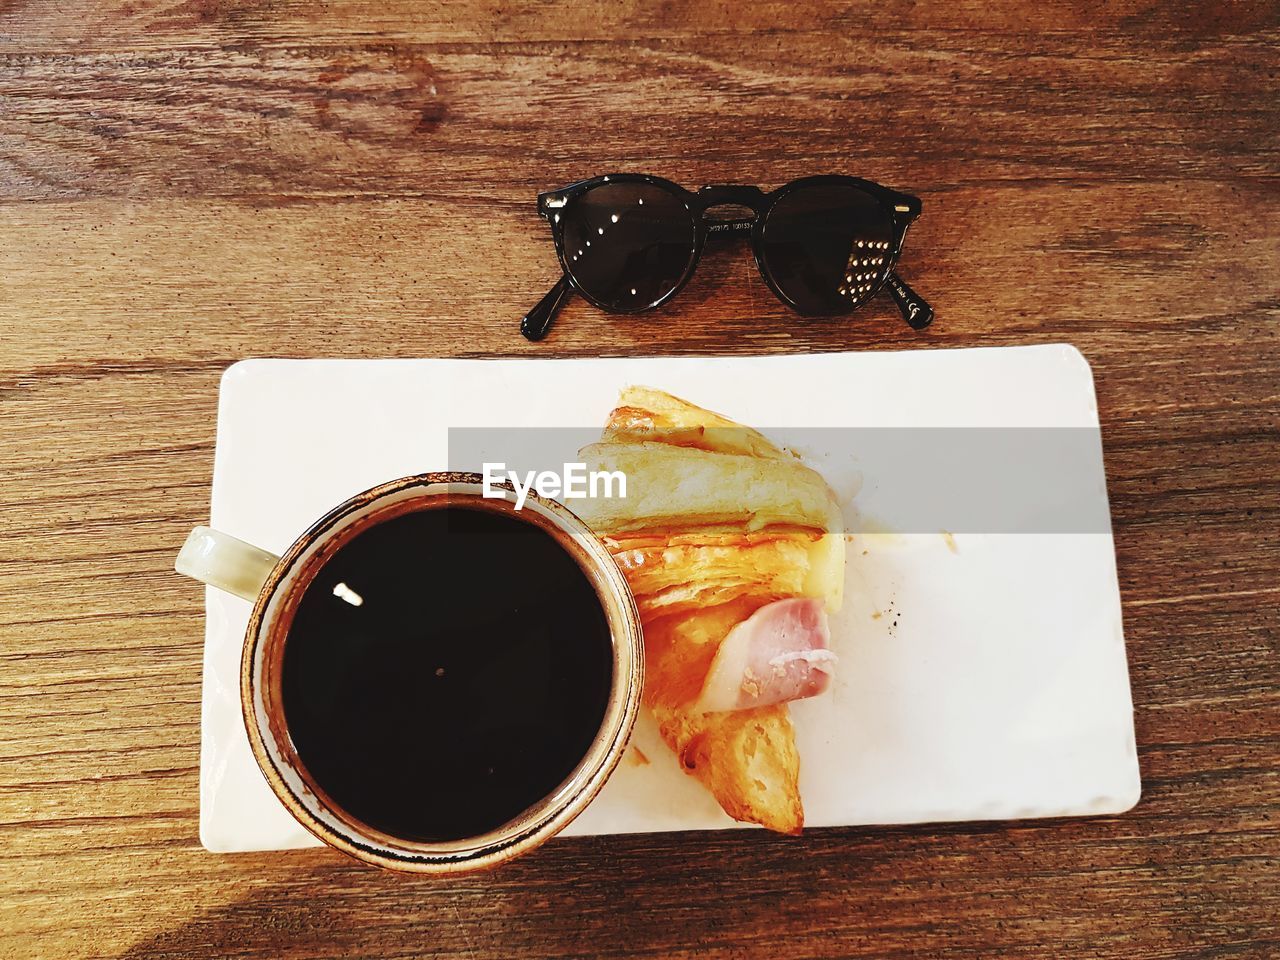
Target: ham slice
778,653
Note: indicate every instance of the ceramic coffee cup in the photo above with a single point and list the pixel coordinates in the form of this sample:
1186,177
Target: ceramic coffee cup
275,586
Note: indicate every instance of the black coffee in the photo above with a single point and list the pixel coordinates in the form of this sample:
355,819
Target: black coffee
446,670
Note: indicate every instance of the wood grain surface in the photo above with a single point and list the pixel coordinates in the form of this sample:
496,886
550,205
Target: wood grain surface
184,183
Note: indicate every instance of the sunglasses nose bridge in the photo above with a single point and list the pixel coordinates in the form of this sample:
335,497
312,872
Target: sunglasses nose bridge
744,199
721,194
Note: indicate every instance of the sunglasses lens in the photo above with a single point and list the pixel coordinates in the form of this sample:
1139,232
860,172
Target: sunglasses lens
827,247
627,245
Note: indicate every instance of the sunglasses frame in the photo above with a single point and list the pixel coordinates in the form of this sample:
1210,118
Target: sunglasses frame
900,209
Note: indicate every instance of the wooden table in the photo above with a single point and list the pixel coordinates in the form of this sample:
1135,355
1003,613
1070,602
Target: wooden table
184,183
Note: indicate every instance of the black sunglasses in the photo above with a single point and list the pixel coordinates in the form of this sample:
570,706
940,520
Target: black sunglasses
629,242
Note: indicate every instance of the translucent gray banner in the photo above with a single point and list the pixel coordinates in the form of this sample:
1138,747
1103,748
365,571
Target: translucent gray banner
885,480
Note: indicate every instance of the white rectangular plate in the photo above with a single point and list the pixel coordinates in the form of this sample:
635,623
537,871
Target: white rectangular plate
981,676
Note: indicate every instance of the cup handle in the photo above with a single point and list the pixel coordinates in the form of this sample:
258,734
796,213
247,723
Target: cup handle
224,562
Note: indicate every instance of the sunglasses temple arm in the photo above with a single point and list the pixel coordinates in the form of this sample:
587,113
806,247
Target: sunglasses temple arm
538,321
914,308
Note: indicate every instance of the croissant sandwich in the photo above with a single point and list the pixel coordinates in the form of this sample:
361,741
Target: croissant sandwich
734,551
